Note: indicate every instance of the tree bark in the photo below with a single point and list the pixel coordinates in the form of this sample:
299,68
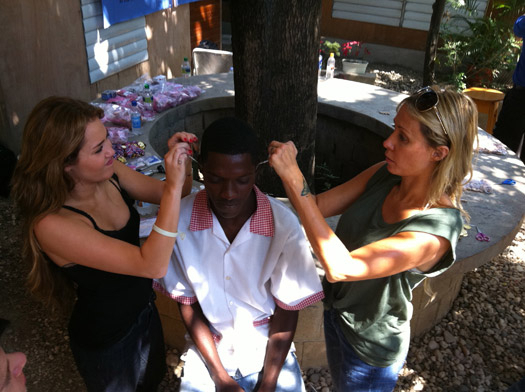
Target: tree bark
432,42
275,54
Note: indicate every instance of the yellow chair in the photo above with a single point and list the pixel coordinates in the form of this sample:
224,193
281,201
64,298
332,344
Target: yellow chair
487,100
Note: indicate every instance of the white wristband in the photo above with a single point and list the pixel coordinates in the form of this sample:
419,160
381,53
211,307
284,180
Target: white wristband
168,233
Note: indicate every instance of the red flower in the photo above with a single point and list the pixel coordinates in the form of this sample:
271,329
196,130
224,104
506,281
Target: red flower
358,45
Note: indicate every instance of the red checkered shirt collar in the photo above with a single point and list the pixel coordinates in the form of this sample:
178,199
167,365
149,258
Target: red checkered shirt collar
261,221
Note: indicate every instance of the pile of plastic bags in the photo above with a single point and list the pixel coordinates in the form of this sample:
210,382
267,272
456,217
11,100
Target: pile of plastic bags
117,110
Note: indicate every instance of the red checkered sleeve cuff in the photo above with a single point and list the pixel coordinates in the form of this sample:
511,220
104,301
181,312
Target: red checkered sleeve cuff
179,298
303,304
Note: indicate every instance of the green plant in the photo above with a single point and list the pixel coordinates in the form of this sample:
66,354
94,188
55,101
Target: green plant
324,178
459,81
486,45
328,47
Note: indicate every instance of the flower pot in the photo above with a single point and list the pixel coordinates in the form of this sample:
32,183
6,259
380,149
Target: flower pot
479,77
354,66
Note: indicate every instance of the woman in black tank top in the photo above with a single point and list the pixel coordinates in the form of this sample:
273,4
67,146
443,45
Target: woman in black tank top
81,231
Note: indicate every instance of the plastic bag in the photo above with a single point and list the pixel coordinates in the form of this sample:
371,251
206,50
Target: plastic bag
115,114
118,134
132,149
173,94
478,186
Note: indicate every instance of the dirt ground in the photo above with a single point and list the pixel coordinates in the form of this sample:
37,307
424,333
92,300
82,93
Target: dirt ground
44,339
495,341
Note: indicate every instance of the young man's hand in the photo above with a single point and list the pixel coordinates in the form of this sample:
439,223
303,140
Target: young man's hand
228,385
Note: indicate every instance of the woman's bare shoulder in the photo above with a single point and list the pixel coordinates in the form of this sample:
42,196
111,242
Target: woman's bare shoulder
60,220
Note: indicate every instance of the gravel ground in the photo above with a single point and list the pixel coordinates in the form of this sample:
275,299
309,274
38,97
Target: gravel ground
478,346
399,79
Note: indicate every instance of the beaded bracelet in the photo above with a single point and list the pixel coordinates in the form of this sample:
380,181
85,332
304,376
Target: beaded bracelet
168,233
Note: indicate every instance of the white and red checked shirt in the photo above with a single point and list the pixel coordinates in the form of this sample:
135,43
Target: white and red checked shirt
238,285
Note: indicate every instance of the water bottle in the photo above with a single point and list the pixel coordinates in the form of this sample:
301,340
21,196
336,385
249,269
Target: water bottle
185,68
320,65
147,96
330,67
135,119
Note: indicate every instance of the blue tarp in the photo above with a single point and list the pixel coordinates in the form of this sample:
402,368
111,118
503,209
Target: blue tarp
116,11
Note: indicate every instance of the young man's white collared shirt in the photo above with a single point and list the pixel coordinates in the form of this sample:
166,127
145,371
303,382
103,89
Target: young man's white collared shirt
238,285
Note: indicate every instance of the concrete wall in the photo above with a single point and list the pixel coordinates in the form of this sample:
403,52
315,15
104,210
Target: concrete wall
370,32
345,149
409,58
387,44
43,53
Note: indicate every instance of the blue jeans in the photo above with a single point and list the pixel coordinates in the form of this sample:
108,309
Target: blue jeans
196,377
135,363
519,386
349,372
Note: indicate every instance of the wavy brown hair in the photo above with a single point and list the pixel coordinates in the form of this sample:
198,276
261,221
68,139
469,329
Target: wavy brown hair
53,136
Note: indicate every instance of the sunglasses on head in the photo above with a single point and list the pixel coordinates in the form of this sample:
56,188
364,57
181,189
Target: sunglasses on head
427,99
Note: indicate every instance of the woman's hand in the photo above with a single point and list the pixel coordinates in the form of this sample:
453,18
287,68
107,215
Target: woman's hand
282,158
181,145
186,137
175,164
191,139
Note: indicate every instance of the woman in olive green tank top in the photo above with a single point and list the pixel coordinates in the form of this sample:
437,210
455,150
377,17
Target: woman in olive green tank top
400,223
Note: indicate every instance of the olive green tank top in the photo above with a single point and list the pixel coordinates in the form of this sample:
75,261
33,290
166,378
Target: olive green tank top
375,314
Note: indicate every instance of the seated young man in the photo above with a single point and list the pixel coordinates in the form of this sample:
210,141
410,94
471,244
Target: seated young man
241,274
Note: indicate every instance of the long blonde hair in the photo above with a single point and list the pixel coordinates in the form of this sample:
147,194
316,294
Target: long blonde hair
53,136
460,118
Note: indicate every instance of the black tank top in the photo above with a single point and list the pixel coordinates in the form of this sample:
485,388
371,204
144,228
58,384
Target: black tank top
107,303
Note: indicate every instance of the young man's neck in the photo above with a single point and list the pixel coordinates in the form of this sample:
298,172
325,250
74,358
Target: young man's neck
232,226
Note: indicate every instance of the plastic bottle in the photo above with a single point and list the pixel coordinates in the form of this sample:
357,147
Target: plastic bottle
185,68
330,67
147,96
320,65
136,122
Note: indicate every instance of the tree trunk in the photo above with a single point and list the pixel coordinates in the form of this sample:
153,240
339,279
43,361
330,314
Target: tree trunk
275,54
432,42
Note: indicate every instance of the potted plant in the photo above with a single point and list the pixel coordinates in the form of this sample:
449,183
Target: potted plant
328,47
484,48
353,53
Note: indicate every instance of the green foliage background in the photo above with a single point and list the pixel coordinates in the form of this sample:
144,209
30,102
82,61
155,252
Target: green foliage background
485,49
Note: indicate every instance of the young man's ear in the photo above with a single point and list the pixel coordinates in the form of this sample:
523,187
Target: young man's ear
440,153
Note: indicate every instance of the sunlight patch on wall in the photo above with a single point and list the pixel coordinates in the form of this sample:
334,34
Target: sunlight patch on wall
114,49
